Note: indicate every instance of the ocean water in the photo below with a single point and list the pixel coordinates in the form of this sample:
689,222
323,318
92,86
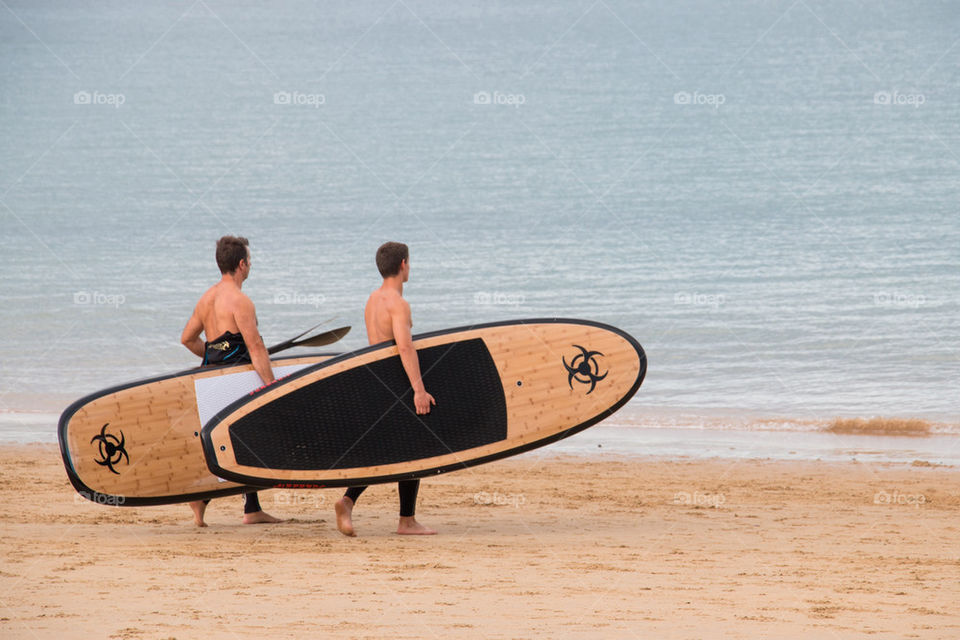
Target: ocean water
764,194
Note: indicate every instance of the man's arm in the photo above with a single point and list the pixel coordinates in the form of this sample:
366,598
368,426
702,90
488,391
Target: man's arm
400,321
190,338
246,318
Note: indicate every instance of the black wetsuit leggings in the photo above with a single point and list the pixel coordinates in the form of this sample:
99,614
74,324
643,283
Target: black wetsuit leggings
408,496
251,502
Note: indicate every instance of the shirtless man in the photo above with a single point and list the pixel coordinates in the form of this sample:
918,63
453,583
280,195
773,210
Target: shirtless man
387,316
228,313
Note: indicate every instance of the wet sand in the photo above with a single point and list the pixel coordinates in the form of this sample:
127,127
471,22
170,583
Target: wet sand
535,546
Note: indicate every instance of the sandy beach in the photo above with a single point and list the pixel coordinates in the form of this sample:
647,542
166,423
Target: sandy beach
535,546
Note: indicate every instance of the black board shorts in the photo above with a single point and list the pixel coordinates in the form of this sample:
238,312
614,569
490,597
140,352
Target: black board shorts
229,348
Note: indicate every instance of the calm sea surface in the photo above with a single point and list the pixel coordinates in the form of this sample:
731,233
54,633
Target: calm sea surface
767,195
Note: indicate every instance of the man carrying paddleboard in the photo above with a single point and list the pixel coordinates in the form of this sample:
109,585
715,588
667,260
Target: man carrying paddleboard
226,312
387,316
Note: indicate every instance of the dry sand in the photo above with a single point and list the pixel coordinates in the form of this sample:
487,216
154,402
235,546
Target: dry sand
531,547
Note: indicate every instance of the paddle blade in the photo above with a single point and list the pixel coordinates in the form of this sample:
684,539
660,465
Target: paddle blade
286,344
322,339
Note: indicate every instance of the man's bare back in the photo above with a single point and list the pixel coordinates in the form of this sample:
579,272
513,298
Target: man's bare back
382,307
216,309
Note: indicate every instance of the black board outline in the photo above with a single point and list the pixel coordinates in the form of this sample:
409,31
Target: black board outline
210,454
124,501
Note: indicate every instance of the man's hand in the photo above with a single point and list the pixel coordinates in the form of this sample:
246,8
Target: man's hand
422,401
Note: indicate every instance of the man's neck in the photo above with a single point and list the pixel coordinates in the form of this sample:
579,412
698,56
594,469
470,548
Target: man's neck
233,278
394,283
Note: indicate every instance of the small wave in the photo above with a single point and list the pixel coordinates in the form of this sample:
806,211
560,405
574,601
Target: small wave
881,426
743,420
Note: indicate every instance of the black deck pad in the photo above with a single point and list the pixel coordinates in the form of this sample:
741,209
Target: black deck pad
365,416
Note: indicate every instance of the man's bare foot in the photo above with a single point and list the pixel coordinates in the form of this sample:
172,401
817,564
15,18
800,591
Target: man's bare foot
199,507
260,517
344,509
410,527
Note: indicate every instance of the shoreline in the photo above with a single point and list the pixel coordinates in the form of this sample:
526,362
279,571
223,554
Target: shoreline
567,546
702,443
38,410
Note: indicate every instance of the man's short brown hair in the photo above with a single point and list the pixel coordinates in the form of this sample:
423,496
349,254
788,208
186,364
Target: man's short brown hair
389,257
230,251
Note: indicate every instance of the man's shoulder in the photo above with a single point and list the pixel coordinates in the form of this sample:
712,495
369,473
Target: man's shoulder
208,297
240,300
395,302
226,297
386,298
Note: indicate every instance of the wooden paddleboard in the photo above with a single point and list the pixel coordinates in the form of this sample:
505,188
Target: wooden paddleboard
501,389
139,443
